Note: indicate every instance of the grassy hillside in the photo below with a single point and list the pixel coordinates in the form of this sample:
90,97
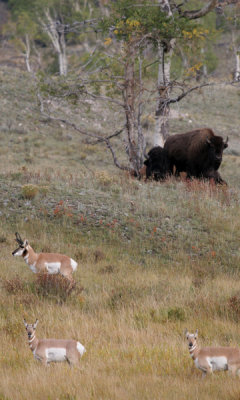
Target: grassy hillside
153,258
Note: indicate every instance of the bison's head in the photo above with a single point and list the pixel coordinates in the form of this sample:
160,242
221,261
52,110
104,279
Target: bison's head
157,164
216,147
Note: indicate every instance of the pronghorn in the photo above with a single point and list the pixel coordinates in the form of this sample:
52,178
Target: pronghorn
53,350
209,359
52,263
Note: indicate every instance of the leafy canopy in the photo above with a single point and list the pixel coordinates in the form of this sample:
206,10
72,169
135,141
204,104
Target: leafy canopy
129,20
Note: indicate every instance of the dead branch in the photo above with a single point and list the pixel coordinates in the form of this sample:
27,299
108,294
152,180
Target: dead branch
185,93
105,140
194,14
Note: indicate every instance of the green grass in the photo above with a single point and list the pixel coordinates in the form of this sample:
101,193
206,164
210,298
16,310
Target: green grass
153,258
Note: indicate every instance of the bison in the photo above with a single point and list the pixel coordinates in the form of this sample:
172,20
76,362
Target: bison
198,153
157,164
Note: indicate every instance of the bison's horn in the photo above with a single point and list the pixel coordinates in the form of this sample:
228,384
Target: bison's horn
18,238
226,141
208,141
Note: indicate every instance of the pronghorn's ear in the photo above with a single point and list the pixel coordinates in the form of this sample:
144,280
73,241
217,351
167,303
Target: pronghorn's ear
25,244
35,324
25,322
186,333
196,334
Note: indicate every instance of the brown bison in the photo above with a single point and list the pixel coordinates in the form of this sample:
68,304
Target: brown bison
157,164
198,153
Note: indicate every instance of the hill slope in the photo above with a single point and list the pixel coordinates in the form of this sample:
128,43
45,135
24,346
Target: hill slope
153,258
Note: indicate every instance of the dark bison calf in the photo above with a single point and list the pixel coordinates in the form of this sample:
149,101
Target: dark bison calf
198,153
157,164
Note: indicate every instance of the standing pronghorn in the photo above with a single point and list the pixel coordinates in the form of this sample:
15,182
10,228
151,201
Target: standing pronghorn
52,263
53,350
209,359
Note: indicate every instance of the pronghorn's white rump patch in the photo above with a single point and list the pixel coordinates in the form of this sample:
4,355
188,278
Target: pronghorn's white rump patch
74,264
81,349
218,363
55,354
53,267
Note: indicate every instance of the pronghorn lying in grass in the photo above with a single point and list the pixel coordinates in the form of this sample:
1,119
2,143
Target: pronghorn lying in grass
209,359
51,263
53,350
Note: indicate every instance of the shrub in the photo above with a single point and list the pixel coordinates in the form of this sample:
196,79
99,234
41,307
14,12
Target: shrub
103,178
233,306
55,286
29,191
98,255
176,314
14,285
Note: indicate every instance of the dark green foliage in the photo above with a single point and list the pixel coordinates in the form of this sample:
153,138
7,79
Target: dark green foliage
130,19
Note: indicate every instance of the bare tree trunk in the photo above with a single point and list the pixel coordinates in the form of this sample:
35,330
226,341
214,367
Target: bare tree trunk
62,56
237,65
129,99
141,140
27,54
133,110
161,111
57,36
165,52
236,50
204,67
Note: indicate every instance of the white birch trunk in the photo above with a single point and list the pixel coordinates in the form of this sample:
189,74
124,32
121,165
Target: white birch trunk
162,108
236,50
237,65
57,37
204,67
27,54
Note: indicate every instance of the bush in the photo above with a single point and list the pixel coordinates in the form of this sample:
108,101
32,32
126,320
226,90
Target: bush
176,314
14,285
29,191
234,307
55,286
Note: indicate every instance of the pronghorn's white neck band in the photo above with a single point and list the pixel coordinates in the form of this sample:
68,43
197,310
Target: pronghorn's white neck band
191,349
32,339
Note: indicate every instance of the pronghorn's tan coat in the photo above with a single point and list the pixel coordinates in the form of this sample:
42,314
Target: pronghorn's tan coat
52,263
53,350
209,359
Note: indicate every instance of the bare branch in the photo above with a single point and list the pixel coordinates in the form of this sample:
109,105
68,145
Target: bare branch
106,140
106,98
199,13
122,167
181,96
117,133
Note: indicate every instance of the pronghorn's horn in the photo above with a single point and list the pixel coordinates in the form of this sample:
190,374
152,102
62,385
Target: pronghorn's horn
18,238
35,324
25,322
196,333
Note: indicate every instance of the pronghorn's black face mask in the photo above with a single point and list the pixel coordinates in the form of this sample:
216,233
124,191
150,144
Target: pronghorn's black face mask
22,249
